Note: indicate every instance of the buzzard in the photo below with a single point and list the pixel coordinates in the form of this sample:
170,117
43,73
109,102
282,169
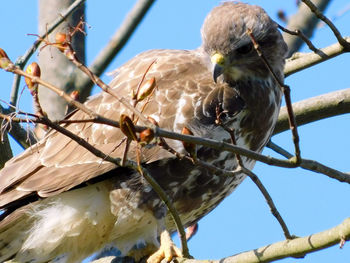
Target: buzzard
62,203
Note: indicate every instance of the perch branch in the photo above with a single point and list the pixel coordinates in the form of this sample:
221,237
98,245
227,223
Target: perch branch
300,61
296,247
317,108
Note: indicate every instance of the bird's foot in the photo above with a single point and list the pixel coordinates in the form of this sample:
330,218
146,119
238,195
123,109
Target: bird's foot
167,249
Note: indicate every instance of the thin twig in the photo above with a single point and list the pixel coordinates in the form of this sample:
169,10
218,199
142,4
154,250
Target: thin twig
279,149
256,180
21,61
25,138
286,91
221,146
117,42
305,21
173,212
70,54
308,42
269,201
300,61
336,32
312,165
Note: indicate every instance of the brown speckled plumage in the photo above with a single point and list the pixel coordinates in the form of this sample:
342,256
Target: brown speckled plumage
123,209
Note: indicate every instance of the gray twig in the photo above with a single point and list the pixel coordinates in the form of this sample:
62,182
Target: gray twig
286,91
117,42
21,61
306,22
308,42
336,32
300,61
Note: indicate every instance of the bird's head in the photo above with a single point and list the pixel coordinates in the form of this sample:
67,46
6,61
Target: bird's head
231,50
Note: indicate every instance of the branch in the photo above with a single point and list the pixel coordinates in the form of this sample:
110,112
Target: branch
300,61
316,108
130,164
286,92
269,201
307,41
222,146
334,29
257,182
288,248
24,137
21,61
305,21
118,41
312,165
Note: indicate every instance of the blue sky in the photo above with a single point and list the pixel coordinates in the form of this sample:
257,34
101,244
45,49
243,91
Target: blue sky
308,202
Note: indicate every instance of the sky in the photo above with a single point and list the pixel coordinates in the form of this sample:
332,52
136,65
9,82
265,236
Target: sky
308,202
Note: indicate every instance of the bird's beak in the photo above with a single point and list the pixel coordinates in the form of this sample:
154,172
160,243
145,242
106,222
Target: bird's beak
218,61
217,71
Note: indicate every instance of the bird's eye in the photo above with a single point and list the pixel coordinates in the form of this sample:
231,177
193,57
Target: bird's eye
245,49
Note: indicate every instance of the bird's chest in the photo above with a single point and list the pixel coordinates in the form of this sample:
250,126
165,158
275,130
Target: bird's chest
199,189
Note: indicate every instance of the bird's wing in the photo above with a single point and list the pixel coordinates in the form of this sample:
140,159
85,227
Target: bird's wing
57,163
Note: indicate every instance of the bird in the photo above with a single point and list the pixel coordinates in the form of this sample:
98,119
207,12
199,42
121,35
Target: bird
61,203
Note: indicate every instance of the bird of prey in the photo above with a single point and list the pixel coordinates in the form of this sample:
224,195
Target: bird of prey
61,203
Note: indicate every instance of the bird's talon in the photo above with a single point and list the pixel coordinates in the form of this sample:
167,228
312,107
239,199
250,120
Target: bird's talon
167,250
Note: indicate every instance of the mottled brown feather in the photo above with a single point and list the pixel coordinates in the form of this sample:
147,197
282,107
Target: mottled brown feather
245,98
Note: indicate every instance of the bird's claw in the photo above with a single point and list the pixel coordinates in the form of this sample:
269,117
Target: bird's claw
167,250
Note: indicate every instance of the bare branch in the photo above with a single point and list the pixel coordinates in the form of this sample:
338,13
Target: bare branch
297,247
336,32
117,42
312,165
316,108
300,61
269,201
256,181
222,146
21,61
308,42
286,91
24,137
305,21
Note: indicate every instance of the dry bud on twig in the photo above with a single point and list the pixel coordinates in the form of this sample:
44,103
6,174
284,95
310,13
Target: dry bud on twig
74,95
62,40
146,136
146,89
127,127
34,70
189,147
4,59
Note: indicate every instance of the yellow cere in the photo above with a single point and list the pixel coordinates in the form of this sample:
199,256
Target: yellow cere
218,59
